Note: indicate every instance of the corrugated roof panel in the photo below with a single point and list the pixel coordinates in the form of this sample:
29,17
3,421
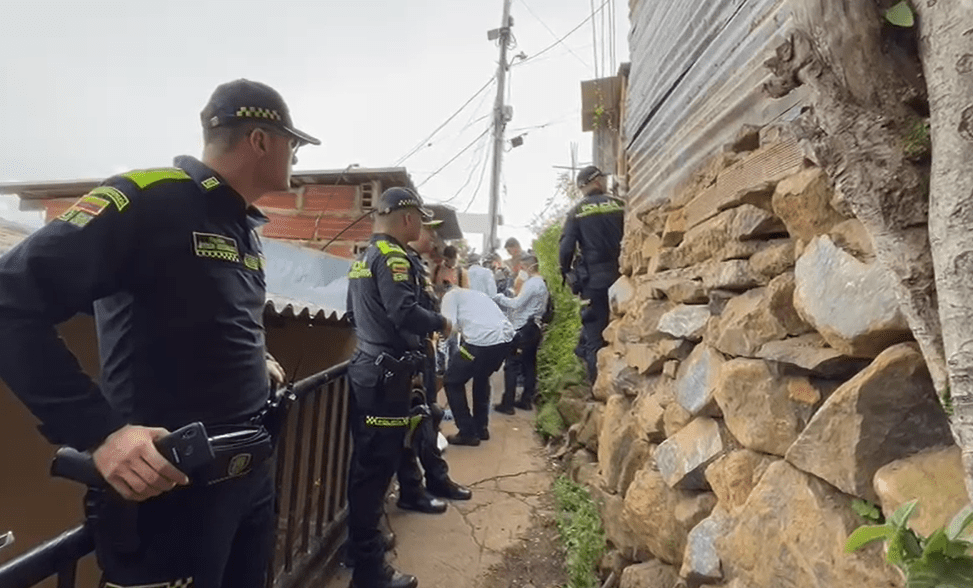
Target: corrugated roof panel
696,77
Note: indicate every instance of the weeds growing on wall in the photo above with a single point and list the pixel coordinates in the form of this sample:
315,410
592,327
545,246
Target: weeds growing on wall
581,532
557,365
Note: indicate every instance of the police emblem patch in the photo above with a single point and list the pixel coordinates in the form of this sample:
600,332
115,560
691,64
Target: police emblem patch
86,208
215,247
239,464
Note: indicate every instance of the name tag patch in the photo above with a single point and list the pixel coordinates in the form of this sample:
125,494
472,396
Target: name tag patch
216,247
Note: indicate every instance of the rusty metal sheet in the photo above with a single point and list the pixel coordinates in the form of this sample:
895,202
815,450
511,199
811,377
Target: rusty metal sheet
696,77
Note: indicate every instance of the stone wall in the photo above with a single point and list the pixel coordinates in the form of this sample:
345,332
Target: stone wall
759,376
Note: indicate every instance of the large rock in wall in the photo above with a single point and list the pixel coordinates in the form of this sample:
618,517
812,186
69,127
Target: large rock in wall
850,303
885,413
791,532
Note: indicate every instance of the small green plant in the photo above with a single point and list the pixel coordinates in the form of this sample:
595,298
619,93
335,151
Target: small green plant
918,143
549,422
581,532
599,113
941,560
901,15
867,510
946,398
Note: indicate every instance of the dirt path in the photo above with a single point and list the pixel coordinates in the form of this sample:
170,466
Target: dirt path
511,511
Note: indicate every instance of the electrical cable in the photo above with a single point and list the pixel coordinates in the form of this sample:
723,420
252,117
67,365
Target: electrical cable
553,34
479,156
478,184
454,158
559,41
594,36
422,143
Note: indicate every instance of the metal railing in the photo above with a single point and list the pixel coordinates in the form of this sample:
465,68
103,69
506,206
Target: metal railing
311,474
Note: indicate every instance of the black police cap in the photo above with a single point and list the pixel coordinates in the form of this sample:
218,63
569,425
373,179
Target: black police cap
400,197
247,101
588,174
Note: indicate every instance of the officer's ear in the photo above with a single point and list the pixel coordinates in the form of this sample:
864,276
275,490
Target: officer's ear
259,141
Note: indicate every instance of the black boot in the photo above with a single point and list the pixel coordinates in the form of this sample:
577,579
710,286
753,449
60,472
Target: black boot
384,576
424,502
449,489
388,543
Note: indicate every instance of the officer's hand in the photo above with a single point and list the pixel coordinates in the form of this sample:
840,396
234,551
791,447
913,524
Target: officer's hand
129,461
276,371
448,329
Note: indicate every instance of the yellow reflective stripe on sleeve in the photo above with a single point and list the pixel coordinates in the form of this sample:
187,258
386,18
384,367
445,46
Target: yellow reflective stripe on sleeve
386,248
377,421
119,199
146,177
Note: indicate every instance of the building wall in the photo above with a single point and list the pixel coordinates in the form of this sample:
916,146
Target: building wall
37,507
696,78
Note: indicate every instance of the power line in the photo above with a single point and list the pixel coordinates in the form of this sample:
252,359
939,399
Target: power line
553,34
446,122
454,158
559,41
478,184
476,163
594,35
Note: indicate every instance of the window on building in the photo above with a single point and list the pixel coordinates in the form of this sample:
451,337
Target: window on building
368,196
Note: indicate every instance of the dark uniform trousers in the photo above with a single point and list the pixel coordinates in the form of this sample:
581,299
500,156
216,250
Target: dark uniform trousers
594,320
522,359
477,364
200,536
375,457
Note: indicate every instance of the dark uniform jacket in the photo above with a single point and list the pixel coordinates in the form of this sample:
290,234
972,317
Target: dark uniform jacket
594,225
170,263
385,299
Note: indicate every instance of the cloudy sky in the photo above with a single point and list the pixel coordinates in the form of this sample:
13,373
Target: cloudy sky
95,87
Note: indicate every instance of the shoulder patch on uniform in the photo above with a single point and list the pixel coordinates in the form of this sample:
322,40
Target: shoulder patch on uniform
147,177
210,183
359,269
253,262
215,247
400,277
387,248
93,204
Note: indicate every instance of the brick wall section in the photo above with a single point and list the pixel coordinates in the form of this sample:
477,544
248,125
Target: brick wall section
330,198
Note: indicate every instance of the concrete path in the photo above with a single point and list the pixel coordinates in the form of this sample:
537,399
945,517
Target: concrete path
508,475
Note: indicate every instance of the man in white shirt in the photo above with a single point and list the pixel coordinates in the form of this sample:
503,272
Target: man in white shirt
481,279
485,339
524,313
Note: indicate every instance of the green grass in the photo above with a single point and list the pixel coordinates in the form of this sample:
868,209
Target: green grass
581,532
557,364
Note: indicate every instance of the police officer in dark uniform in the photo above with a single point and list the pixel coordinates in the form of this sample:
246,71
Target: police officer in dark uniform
593,230
383,299
171,264
423,448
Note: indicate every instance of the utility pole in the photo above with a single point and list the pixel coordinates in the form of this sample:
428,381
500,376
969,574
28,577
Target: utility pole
499,124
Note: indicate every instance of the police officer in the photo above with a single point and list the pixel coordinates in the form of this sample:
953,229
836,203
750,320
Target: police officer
383,299
424,448
593,230
171,263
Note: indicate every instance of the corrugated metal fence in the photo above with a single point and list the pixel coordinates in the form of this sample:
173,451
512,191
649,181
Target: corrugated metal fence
696,77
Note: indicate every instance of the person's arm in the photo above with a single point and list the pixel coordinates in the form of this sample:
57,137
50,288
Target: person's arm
450,308
86,254
569,242
516,302
398,295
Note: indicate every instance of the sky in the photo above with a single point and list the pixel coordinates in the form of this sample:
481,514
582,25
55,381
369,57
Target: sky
93,88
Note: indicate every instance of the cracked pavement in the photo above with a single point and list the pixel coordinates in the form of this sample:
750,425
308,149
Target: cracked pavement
508,476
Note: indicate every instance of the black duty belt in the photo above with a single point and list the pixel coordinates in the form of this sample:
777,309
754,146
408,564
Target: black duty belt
376,350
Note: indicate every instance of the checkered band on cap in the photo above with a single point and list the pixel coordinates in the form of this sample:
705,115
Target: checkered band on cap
257,112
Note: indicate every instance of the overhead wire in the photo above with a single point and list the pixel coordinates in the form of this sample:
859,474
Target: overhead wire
454,158
560,40
425,141
594,36
479,156
553,34
479,183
